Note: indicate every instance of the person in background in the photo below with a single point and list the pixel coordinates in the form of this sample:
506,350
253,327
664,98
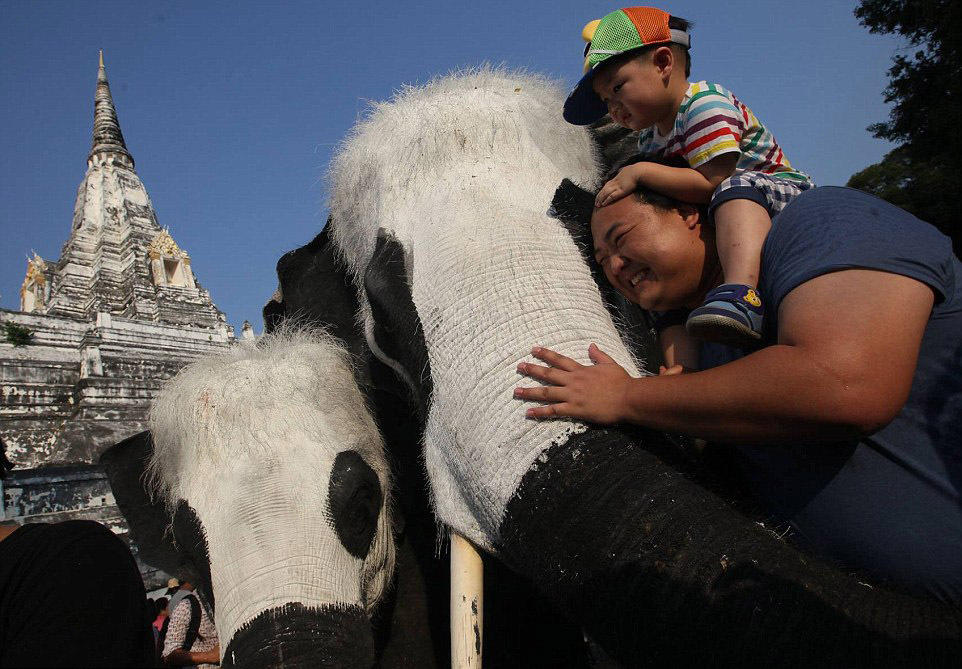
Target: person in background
174,594
191,638
160,624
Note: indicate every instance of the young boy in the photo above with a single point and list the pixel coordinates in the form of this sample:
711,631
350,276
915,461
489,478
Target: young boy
637,66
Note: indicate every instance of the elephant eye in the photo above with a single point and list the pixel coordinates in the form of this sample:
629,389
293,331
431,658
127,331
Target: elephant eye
354,502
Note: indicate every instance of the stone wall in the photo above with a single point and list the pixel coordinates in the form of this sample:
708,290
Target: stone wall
56,494
79,387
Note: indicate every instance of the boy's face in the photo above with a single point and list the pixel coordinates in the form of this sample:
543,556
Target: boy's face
636,92
655,258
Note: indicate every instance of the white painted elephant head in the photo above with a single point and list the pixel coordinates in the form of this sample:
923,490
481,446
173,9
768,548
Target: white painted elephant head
273,474
439,204
450,185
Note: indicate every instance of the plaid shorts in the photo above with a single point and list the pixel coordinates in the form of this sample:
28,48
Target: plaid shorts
769,190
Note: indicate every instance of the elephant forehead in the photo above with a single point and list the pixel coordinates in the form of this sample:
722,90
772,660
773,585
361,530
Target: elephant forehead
292,398
490,136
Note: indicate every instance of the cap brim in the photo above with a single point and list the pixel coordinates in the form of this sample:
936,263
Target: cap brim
583,106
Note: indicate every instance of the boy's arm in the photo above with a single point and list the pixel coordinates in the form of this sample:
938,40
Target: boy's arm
678,348
682,183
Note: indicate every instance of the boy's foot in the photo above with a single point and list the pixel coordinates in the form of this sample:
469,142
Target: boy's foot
731,314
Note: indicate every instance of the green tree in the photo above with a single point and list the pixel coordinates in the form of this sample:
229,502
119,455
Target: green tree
16,334
925,90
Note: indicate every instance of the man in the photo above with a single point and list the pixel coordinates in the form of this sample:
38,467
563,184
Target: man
70,595
191,638
847,421
175,593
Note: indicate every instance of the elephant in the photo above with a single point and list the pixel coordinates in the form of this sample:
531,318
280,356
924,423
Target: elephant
521,627
270,471
438,204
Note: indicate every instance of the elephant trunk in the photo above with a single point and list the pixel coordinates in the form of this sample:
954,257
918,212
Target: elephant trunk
294,636
659,569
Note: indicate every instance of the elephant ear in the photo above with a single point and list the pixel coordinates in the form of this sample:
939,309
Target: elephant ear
149,520
273,314
398,336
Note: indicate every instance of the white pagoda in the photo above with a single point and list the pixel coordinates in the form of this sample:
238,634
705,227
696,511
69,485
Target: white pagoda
97,334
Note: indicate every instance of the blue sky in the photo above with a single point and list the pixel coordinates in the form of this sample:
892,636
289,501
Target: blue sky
232,109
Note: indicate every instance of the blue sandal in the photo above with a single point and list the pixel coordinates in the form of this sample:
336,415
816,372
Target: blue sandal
731,314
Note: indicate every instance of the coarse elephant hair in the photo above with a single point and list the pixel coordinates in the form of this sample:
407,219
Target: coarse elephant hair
290,395
490,119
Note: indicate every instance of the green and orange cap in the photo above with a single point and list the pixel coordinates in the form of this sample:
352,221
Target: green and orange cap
619,32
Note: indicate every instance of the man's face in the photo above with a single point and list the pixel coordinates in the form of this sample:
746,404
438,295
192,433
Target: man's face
654,258
635,93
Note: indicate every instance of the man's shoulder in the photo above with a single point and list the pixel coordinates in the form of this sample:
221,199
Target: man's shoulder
848,211
831,228
184,603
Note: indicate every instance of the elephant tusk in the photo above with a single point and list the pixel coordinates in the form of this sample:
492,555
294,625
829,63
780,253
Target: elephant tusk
467,599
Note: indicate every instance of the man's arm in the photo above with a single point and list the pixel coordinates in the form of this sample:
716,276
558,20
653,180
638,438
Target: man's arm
843,366
180,657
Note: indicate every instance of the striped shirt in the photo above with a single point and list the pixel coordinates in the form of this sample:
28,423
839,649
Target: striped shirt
711,121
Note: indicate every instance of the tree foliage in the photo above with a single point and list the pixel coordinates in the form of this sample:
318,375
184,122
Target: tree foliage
925,90
16,334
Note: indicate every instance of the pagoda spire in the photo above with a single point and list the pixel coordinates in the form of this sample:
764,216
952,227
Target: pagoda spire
108,143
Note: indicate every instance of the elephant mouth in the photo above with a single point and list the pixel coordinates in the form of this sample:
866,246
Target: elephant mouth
294,636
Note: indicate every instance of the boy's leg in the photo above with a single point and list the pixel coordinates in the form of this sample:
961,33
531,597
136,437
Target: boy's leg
742,207
741,227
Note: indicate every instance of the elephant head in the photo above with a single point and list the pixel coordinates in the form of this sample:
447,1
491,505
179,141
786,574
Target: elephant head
438,203
271,473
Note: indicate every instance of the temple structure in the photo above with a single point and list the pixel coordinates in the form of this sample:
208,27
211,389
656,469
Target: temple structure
99,330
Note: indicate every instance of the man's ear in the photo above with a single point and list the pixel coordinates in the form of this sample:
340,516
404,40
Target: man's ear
690,214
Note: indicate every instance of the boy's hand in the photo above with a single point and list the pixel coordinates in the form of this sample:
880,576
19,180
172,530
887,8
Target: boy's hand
622,184
674,370
595,393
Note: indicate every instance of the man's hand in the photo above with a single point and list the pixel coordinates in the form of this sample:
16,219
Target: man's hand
594,393
211,656
180,657
622,184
